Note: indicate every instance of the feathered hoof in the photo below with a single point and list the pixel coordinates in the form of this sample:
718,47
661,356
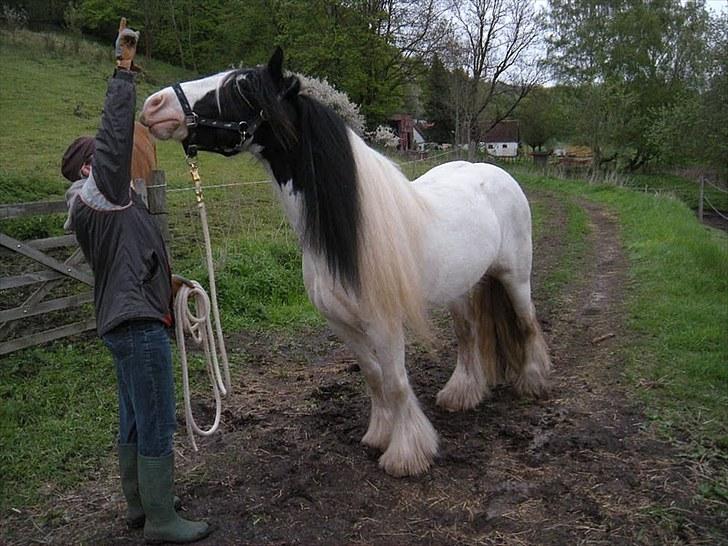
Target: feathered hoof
379,432
533,382
376,438
460,396
399,467
411,455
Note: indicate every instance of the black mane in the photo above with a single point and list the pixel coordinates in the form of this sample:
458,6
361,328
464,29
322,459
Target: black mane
308,143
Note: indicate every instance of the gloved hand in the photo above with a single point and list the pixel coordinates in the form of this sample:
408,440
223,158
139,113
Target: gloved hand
125,47
177,282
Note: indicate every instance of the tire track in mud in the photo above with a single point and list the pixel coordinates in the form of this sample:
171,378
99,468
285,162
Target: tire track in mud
578,467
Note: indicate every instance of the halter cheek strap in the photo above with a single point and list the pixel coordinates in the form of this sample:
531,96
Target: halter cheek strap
245,130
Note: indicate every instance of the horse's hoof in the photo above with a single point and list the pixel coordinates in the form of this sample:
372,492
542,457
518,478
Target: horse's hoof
375,441
400,468
533,381
461,393
379,433
410,458
451,399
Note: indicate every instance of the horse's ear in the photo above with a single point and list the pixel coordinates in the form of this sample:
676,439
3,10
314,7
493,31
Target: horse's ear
275,65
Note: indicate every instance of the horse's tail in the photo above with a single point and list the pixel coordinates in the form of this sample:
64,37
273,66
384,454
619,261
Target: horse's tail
512,347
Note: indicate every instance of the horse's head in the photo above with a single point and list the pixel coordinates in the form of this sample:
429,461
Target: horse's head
229,111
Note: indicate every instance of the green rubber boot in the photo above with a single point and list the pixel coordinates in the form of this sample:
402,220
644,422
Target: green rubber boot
156,481
130,486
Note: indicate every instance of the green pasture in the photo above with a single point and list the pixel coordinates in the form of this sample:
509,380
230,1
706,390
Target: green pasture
678,311
57,403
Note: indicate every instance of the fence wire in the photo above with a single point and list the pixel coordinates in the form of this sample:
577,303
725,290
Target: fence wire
715,210
717,188
250,214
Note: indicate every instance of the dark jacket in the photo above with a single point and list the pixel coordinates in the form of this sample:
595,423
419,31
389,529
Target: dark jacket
117,235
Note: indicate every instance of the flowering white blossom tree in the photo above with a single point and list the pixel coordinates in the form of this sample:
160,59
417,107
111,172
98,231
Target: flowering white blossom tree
384,136
338,101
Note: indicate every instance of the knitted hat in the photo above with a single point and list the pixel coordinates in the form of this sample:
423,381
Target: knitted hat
78,153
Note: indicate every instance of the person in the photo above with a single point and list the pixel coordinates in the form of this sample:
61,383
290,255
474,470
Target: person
132,300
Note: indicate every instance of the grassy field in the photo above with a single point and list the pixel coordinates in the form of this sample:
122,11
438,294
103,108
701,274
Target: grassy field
678,309
57,403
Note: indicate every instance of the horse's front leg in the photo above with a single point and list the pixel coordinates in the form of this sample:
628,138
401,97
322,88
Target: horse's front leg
396,425
344,317
413,443
379,431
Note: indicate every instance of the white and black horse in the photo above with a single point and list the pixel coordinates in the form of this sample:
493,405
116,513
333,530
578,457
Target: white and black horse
378,250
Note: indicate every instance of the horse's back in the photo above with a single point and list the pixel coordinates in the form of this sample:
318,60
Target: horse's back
464,185
144,154
463,174
480,218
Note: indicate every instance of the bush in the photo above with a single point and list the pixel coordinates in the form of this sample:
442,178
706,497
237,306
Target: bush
338,101
14,18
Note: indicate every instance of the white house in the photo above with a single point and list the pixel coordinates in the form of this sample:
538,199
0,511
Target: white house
502,140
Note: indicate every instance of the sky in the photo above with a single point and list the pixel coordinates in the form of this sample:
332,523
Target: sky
717,5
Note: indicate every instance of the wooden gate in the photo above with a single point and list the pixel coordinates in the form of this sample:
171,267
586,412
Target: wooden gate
55,271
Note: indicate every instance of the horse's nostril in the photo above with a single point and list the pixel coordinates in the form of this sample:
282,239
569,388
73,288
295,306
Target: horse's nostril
155,102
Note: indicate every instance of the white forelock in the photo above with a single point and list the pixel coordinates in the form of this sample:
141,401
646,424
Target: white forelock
196,89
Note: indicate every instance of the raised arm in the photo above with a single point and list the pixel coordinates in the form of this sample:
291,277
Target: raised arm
111,165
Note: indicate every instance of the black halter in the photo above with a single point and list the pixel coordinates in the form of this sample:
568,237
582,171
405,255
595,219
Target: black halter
195,124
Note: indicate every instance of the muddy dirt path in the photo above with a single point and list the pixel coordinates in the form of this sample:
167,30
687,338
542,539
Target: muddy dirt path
578,468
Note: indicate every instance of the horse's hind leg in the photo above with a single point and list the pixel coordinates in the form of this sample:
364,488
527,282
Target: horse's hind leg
468,384
528,363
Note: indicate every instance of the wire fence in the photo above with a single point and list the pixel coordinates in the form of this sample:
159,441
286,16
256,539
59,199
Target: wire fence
705,200
249,209
244,212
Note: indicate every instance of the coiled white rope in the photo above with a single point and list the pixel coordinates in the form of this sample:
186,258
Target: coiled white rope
197,323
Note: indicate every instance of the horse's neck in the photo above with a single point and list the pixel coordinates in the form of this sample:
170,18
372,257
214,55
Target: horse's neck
291,202
384,187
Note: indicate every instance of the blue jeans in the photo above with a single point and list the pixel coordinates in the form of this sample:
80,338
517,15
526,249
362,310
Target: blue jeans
145,383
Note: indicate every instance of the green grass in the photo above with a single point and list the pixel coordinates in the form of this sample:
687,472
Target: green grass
678,310
680,187
575,248
57,414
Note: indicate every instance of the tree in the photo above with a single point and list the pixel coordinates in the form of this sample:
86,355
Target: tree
540,117
373,49
438,104
632,58
694,130
499,44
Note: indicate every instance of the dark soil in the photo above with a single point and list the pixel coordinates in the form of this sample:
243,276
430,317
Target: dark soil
287,468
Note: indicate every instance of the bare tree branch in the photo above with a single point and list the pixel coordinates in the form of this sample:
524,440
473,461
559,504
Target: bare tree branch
500,41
